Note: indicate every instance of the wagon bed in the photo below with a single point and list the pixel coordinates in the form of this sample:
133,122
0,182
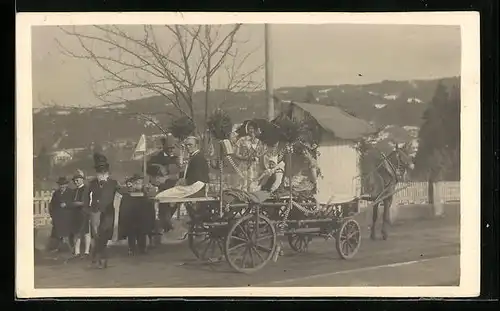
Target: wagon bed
245,231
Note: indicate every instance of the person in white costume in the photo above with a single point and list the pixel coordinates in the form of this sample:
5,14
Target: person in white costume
272,177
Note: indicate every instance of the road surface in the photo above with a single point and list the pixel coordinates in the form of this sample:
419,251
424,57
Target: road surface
423,253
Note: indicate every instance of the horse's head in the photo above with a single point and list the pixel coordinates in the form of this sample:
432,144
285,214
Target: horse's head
404,162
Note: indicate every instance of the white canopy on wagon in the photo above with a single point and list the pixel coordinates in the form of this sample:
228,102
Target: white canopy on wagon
338,158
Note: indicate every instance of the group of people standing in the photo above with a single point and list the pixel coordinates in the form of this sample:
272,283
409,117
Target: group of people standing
85,213
83,216
70,223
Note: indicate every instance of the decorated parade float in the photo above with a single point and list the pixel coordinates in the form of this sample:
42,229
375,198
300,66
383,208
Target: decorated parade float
318,196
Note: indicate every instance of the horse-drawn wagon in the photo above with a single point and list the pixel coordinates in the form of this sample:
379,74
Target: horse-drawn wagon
247,228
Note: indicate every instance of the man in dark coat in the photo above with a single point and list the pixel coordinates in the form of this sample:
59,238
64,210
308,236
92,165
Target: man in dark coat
197,167
60,210
81,220
196,175
164,167
99,199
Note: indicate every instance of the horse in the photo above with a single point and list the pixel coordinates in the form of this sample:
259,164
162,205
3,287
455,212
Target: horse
385,166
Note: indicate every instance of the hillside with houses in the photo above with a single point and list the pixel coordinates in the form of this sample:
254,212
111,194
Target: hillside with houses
67,135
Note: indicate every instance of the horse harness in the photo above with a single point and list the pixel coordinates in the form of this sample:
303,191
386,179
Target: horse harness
389,164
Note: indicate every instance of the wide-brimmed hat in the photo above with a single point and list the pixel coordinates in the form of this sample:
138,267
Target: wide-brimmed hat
101,164
62,181
79,174
252,123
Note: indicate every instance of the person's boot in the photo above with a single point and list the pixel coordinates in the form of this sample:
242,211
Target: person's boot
94,259
103,260
103,263
93,264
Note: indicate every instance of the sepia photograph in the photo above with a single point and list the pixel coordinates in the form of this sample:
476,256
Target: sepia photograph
214,154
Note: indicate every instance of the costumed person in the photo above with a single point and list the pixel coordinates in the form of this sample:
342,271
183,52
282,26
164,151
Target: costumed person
81,220
164,167
249,150
133,221
60,210
195,177
100,198
271,178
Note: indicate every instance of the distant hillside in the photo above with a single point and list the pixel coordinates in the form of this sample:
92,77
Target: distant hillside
388,102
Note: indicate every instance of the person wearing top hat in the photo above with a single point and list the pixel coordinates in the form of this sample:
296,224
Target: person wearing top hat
164,167
60,210
99,199
81,220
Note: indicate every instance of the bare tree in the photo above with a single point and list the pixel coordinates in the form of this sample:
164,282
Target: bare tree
172,61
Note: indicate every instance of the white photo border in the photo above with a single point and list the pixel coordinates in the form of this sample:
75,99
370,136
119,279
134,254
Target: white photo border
470,147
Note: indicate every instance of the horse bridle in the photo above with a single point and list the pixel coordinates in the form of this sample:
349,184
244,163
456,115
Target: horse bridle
397,170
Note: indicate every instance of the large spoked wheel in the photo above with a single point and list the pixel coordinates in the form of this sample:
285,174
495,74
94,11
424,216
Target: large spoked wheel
250,243
348,239
205,245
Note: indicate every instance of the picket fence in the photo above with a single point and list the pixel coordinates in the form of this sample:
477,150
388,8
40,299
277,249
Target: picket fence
412,193
417,193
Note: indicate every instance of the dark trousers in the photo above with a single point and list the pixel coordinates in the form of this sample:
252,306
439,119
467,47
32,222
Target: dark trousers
100,224
100,249
137,242
165,213
55,241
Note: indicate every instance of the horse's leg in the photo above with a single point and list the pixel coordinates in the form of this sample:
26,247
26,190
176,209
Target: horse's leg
374,221
385,220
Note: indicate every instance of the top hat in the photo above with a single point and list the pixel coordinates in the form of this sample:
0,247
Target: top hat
79,174
168,141
101,164
62,181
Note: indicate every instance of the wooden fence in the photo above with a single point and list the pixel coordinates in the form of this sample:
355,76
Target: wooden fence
41,202
418,193
414,193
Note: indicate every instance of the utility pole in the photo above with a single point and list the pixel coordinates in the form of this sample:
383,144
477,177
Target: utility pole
269,73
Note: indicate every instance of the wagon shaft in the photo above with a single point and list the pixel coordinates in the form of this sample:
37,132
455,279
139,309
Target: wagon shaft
383,197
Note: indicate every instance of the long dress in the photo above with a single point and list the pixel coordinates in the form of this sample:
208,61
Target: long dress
62,217
249,148
136,216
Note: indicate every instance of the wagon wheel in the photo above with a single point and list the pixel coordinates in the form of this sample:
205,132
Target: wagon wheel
299,242
348,239
205,245
249,247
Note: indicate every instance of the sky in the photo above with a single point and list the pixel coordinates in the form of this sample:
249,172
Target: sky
327,54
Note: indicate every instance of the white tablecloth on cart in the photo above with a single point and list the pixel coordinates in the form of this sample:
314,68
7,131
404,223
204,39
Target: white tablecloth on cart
179,192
